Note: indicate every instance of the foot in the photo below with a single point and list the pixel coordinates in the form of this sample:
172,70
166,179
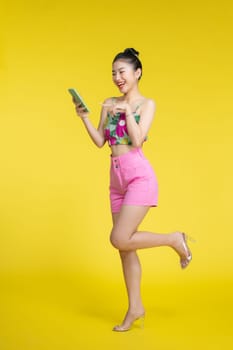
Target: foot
181,247
130,318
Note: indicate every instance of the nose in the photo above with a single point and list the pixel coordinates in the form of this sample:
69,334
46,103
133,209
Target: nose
117,77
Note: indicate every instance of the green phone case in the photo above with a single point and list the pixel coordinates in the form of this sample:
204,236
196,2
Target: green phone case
78,98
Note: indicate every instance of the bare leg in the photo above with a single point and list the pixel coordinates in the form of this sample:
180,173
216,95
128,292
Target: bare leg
132,276
125,237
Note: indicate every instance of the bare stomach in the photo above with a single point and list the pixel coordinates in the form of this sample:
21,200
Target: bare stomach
117,150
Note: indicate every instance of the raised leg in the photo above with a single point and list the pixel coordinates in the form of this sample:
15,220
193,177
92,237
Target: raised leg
125,237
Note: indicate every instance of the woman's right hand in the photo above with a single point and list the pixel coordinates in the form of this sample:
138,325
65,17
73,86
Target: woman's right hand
81,112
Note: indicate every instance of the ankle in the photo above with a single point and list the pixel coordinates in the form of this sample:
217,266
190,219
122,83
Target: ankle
136,310
173,239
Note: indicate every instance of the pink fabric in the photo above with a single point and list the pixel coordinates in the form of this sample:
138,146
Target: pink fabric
132,181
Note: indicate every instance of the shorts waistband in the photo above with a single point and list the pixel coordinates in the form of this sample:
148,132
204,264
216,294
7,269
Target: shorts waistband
123,158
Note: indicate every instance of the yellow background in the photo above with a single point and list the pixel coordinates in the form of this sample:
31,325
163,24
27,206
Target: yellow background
61,281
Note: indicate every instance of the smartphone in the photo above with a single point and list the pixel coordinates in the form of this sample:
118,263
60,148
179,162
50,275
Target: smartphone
78,98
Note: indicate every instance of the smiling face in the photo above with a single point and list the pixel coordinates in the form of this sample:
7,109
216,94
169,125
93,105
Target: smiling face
124,76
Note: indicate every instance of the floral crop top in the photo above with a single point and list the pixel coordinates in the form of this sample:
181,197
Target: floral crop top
115,129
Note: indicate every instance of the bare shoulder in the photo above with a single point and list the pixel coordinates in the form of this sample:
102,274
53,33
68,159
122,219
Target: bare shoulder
149,103
108,100
148,107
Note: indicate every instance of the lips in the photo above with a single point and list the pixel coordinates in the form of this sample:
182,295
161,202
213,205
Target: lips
120,85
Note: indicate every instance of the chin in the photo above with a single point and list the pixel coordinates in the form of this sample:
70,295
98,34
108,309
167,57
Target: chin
124,90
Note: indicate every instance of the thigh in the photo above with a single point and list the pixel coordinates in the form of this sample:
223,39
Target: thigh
127,221
115,217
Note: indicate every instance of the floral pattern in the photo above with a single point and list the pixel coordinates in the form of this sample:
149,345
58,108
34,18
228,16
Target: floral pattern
115,129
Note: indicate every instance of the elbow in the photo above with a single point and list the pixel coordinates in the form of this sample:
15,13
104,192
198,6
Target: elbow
138,140
100,143
137,143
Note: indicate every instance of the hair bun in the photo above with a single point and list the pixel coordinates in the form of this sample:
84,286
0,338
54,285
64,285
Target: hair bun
131,51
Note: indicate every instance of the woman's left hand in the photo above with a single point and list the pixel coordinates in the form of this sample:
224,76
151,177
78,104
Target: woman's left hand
121,106
118,106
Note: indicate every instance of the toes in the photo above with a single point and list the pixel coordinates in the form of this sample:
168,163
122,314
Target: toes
184,262
120,329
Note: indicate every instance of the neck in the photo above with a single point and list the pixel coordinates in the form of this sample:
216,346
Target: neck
132,95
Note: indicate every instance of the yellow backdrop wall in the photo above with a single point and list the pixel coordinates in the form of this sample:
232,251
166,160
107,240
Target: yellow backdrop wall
55,213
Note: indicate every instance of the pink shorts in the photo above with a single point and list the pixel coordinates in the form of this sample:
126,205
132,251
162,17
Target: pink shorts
132,181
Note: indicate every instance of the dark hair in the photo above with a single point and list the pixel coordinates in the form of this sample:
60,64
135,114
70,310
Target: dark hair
130,55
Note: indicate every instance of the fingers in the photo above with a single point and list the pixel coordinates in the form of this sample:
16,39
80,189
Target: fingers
119,109
113,105
114,108
80,110
78,105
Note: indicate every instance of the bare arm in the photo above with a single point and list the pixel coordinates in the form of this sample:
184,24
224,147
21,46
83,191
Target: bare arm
97,135
138,131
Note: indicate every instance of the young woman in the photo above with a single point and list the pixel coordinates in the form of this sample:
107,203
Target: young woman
125,122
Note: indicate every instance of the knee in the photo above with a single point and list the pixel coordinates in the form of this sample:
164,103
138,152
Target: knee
118,242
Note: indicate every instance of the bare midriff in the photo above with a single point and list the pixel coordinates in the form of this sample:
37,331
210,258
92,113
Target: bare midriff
117,150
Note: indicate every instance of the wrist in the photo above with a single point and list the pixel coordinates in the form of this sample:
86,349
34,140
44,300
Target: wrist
129,114
83,118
